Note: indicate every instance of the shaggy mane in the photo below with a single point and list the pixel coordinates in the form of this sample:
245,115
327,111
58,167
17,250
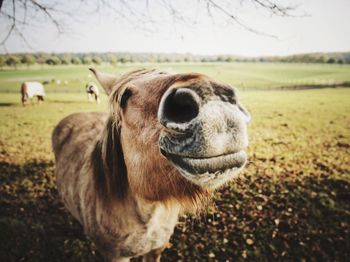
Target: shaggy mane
109,170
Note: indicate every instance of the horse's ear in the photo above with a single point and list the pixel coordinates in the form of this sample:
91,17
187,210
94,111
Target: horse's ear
107,81
110,173
247,116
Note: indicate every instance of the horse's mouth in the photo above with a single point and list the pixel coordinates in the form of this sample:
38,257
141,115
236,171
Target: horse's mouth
217,165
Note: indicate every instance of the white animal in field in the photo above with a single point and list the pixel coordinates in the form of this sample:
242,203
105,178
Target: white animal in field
31,89
92,90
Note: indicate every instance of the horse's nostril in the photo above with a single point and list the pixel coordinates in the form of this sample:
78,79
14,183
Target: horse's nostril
181,106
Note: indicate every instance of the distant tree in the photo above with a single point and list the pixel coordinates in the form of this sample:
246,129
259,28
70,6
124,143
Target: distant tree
2,61
53,60
76,61
304,59
220,59
112,59
161,59
331,61
122,59
28,60
65,58
178,60
321,59
229,59
13,61
340,61
42,57
65,61
151,58
96,60
87,60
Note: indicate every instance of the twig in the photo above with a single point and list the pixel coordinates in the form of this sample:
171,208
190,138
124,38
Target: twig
213,4
13,23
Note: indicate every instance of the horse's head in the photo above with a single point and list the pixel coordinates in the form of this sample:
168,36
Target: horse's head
177,135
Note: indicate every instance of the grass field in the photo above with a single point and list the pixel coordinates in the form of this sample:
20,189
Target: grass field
291,204
242,75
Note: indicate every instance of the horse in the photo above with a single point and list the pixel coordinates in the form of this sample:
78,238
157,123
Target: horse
30,89
92,90
168,141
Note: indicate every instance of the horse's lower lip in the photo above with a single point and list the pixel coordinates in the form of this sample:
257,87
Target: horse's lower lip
202,165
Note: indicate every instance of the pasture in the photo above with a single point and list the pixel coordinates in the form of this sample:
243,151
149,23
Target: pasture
246,76
291,204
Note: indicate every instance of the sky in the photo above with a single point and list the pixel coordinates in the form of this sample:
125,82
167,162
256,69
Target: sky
318,26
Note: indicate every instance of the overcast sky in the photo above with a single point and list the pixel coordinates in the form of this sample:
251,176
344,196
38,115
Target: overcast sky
325,28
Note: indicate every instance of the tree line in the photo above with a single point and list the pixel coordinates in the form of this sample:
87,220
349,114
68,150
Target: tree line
29,59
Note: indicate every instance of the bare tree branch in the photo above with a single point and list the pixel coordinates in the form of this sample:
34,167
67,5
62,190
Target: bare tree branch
13,25
24,39
47,11
213,4
145,19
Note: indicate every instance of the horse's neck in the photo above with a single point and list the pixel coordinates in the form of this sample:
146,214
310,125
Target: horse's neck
136,215
152,210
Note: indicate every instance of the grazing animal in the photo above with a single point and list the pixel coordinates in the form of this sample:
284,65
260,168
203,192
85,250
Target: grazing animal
92,90
30,89
168,141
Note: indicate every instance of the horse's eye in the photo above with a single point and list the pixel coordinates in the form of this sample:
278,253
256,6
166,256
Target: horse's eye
127,93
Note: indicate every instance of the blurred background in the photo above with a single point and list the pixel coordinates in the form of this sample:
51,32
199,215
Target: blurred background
290,62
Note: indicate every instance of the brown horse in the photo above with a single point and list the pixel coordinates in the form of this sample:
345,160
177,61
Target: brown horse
168,141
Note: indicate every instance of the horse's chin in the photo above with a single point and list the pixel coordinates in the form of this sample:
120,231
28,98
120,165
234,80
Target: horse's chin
209,172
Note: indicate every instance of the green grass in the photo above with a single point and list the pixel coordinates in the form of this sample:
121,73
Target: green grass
242,75
291,204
